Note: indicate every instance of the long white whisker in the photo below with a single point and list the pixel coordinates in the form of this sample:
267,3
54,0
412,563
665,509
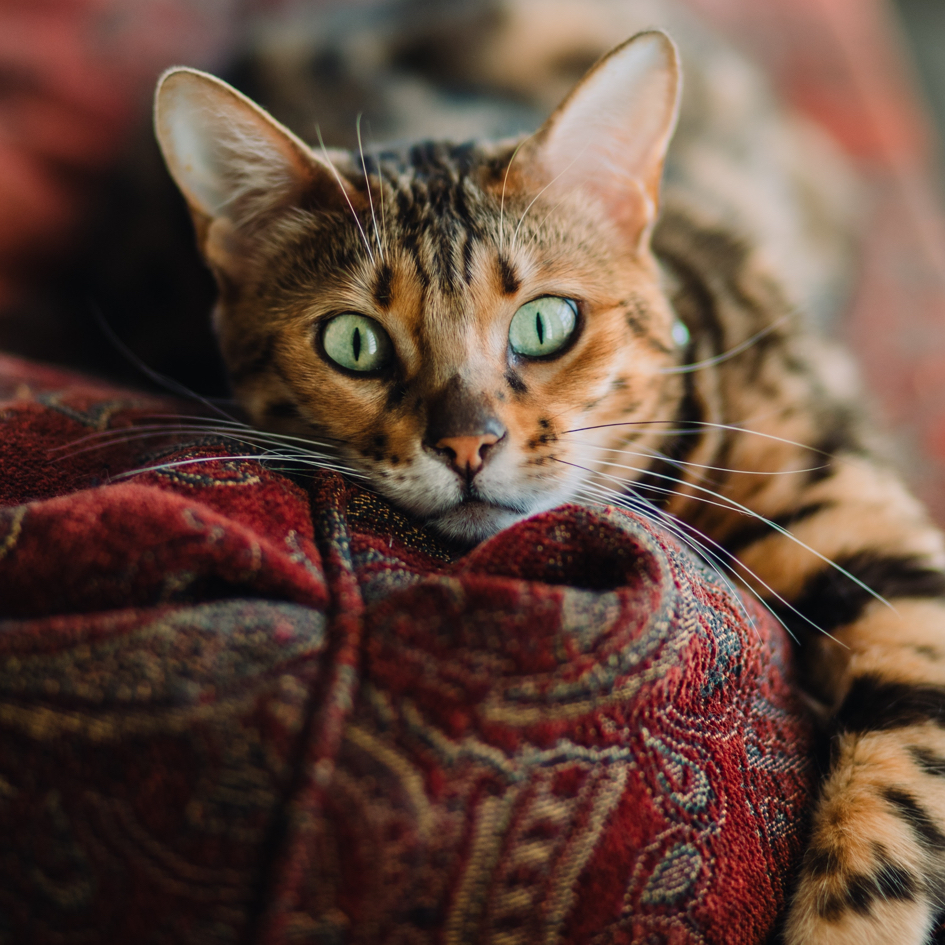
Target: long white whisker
108,438
735,560
250,436
656,454
163,380
665,520
213,426
300,461
698,423
733,505
505,182
543,189
732,352
380,185
344,193
367,184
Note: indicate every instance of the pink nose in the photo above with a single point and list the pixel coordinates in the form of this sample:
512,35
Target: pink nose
466,451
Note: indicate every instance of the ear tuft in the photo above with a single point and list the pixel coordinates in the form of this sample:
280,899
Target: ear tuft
228,156
609,136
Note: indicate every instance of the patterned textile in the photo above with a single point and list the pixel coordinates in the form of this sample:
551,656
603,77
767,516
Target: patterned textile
241,706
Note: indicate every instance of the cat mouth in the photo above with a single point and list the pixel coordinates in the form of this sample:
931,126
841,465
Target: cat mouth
474,519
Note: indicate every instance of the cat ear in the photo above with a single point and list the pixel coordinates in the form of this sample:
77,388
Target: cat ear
609,136
231,160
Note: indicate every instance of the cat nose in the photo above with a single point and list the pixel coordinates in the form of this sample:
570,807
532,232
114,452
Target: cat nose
462,427
467,453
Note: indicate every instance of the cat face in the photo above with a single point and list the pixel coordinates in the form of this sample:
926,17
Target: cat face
471,328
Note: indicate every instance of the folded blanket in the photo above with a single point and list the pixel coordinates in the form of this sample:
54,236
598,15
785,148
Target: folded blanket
238,704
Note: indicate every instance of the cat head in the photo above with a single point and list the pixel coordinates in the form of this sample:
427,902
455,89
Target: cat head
448,317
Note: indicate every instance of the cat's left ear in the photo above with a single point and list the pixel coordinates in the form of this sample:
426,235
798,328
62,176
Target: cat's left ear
609,136
236,166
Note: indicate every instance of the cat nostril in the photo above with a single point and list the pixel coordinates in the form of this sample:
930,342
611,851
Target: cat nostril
467,453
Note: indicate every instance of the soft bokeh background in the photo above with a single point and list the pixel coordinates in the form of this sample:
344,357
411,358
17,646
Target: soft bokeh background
75,83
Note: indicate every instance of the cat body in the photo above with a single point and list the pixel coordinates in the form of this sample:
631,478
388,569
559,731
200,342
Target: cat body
484,331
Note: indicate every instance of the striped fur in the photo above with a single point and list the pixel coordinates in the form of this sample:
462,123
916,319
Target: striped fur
759,451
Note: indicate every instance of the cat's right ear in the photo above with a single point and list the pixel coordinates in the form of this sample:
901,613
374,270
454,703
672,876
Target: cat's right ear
234,163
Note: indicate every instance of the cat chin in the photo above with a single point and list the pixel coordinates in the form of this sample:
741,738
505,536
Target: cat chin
472,522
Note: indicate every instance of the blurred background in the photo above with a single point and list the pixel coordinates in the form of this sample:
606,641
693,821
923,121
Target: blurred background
91,230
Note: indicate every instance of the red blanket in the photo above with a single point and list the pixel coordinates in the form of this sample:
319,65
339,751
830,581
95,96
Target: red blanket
238,705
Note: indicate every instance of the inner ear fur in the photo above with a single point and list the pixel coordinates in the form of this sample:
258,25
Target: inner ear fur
609,137
234,163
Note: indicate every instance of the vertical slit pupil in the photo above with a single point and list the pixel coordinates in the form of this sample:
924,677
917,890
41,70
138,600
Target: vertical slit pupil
356,344
540,328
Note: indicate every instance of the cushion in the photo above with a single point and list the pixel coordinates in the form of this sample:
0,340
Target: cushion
241,702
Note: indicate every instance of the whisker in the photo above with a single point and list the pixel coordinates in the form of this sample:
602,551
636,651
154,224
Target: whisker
733,505
367,184
213,426
732,352
300,461
505,182
663,519
248,435
168,383
699,423
380,185
656,454
735,561
543,189
344,193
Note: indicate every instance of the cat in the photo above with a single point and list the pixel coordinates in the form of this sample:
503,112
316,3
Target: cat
487,330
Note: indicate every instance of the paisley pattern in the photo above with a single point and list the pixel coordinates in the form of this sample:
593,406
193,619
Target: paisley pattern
240,707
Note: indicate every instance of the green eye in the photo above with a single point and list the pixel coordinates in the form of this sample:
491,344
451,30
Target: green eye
543,326
356,342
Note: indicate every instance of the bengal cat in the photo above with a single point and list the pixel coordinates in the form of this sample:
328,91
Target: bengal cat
483,331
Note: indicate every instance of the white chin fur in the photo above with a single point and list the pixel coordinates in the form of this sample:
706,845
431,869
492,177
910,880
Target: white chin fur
472,522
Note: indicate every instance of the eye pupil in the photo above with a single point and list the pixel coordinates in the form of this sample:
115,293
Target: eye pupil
542,327
356,342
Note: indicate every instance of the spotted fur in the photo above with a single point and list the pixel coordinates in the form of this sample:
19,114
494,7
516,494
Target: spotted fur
747,439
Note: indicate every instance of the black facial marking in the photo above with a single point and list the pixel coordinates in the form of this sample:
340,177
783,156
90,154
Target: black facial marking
507,276
283,410
467,258
396,395
515,382
544,423
394,459
917,817
873,705
379,441
383,285
929,761
259,363
830,599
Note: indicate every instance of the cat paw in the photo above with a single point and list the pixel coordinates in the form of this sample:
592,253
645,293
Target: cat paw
873,871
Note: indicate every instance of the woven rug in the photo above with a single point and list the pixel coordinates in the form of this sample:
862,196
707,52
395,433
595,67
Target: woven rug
238,705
